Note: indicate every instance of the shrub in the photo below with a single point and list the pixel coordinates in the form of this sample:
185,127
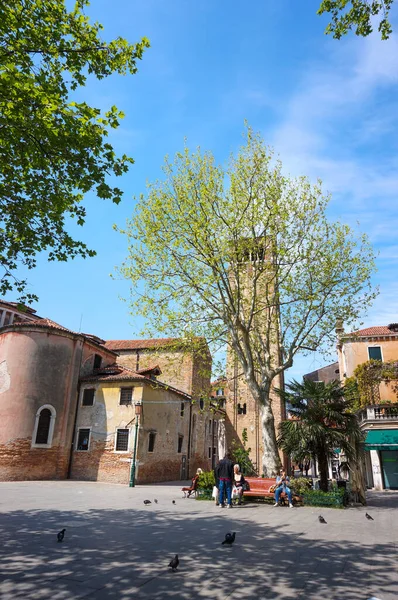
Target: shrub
206,480
301,485
335,498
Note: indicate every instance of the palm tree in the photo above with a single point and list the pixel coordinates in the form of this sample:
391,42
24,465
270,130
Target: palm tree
321,421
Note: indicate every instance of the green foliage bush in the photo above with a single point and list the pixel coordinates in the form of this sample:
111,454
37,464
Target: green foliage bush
206,480
335,498
301,485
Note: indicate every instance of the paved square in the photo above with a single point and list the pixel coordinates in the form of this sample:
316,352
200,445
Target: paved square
116,547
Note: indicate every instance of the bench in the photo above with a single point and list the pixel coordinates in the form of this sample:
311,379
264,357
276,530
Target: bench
259,487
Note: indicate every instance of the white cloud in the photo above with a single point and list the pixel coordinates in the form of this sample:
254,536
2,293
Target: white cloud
341,125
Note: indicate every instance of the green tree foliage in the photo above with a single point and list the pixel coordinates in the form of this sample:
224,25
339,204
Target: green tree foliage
321,420
247,258
53,148
358,16
369,375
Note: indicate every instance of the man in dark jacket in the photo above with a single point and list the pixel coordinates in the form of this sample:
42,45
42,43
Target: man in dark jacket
224,472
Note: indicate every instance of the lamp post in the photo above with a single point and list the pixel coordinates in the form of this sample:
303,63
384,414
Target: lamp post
138,407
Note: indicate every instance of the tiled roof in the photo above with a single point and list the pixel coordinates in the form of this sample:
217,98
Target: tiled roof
109,374
151,369
381,330
42,322
139,344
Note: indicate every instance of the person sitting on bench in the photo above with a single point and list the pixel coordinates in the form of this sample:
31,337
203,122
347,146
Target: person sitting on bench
282,486
190,490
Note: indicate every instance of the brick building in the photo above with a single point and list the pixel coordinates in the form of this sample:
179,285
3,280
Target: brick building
67,405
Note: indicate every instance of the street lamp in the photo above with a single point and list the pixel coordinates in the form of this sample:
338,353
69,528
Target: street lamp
138,408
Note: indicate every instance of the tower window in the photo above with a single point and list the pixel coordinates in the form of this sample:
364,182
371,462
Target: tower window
151,441
180,442
242,409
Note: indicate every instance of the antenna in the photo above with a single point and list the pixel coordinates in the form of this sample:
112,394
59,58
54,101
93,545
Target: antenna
80,326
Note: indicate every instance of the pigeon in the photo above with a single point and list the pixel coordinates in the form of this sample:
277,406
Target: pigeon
61,535
369,517
322,520
173,501
147,502
155,501
229,539
174,563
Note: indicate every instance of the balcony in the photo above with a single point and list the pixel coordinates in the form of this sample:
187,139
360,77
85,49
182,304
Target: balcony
378,413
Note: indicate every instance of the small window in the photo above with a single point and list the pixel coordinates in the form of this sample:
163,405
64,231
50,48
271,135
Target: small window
43,427
180,441
201,404
182,409
126,396
214,451
88,397
220,392
151,441
8,319
242,409
122,440
209,452
210,427
97,361
83,439
374,353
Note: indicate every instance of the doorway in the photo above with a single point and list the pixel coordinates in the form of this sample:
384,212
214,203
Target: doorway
389,464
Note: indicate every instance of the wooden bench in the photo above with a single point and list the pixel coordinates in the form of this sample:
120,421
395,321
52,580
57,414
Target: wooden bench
259,487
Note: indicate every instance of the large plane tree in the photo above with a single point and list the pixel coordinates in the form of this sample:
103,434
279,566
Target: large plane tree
248,258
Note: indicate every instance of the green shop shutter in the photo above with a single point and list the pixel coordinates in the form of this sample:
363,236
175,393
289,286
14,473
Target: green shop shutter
382,439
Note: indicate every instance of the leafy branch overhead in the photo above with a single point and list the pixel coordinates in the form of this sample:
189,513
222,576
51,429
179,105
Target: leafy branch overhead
359,16
53,147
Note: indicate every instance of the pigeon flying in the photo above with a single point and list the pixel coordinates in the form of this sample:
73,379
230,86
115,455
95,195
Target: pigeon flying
61,535
147,502
369,517
155,501
321,519
174,563
229,539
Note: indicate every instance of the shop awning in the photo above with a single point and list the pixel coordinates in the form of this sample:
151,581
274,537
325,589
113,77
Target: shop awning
382,439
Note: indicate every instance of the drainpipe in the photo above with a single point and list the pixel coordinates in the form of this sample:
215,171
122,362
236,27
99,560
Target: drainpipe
189,436
68,475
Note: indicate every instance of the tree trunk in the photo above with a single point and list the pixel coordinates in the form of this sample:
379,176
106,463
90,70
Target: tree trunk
323,470
271,460
358,484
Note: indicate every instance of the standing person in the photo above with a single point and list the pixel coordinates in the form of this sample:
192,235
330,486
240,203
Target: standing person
225,473
282,486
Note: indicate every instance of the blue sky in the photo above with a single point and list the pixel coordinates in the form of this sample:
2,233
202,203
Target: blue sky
330,109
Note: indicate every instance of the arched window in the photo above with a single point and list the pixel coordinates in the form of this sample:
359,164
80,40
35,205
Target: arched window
44,427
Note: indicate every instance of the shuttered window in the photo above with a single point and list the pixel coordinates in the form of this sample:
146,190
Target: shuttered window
88,397
43,427
122,440
126,396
